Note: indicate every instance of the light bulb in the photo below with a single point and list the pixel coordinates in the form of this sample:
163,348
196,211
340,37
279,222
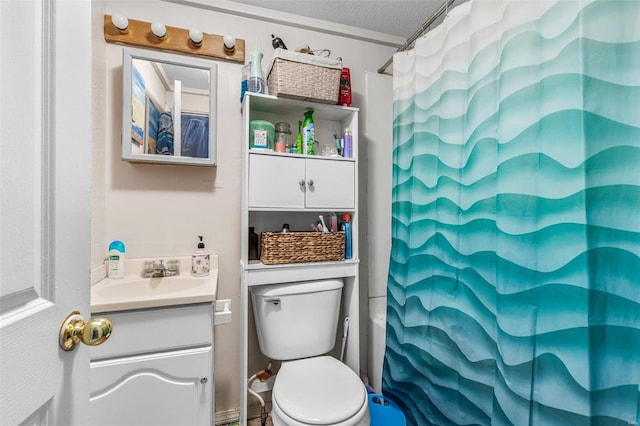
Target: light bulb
120,22
158,29
229,42
196,37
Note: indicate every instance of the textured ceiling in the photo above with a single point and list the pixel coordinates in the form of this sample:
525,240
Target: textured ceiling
395,17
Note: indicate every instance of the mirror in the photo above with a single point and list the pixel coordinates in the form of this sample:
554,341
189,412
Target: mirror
168,108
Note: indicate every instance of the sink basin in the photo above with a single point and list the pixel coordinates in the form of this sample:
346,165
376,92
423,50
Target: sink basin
134,292
150,287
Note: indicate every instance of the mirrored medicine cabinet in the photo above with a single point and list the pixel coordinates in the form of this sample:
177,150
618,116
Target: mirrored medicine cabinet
168,108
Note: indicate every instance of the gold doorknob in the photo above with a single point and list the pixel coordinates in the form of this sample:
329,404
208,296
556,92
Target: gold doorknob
74,330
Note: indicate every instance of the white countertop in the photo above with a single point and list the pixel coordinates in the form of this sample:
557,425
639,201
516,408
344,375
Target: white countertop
135,292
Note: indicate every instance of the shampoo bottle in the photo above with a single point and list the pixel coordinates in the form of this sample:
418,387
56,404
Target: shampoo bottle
200,260
115,265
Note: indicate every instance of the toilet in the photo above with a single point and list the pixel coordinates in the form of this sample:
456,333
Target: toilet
297,323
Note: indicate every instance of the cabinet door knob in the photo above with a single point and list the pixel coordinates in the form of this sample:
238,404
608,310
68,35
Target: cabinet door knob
204,380
301,183
310,183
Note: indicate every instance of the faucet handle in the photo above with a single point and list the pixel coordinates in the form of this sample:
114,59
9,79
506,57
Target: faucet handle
173,265
159,264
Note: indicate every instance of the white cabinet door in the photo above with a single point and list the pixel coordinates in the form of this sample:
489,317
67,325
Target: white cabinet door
170,388
276,181
330,184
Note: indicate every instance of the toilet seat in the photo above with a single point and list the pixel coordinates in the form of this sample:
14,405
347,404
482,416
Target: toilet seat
319,391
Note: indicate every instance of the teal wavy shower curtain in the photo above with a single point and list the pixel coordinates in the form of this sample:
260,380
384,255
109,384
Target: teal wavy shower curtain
514,279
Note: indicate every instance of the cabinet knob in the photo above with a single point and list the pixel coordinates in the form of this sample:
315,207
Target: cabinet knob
204,380
301,183
310,183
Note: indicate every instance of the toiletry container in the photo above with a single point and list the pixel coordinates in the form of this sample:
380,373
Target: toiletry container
348,143
344,95
200,260
261,135
346,227
256,78
115,264
308,133
283,137
253,244
244,79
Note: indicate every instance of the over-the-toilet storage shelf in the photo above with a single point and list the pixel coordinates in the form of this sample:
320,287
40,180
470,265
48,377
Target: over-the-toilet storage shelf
271,196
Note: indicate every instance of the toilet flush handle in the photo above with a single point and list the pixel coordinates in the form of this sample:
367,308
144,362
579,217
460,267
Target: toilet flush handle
274,300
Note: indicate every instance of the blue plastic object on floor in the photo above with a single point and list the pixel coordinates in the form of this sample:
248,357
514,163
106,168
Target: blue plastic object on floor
384,412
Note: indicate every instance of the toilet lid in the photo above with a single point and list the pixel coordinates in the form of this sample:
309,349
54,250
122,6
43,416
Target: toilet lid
319,390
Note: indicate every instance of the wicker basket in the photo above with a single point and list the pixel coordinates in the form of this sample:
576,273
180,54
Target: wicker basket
292,79
300,247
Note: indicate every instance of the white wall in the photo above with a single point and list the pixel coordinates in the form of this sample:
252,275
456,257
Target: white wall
158,210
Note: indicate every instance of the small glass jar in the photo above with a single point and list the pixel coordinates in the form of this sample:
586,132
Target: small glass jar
283,137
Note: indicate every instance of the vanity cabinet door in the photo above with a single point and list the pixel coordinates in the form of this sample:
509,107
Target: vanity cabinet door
171,388
330,184
276,181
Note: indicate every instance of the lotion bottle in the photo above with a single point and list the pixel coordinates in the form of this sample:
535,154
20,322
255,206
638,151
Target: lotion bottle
115,260
200,260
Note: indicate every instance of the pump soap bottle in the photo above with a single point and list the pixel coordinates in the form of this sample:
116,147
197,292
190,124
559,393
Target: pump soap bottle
200,260
115,265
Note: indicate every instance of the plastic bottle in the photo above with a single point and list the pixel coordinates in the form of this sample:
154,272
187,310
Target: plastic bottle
308,131
277,42
344,94
256,78
348,143
115,266
244,80
299,139
346,228
200,260
253,244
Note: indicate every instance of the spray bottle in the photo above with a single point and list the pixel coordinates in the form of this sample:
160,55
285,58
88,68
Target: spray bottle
308,131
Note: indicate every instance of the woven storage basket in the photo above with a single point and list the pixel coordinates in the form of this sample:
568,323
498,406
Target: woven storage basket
292,79
299,247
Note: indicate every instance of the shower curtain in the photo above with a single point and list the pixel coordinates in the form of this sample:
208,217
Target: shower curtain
514,278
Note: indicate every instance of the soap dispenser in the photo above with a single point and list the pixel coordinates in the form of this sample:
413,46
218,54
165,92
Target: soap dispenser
200,260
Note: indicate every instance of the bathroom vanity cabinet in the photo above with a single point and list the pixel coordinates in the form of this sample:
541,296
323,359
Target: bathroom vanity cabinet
280,188
157,368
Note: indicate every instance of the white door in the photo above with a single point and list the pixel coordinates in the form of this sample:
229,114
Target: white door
45,157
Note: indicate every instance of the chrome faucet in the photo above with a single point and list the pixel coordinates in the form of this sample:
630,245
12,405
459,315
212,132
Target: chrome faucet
157,269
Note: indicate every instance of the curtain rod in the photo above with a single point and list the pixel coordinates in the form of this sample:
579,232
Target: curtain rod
444,7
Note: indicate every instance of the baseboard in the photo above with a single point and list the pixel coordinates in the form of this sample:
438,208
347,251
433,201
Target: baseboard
228,416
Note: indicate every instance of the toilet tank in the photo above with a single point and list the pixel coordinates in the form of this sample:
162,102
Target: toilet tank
297,320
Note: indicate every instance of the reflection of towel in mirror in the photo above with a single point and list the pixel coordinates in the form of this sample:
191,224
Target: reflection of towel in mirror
165,134
195,136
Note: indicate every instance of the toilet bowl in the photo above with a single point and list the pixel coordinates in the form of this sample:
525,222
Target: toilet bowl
318,391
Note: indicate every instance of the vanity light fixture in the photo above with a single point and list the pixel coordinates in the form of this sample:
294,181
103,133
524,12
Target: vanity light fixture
159,30
196,37
229,42
120,22
119,29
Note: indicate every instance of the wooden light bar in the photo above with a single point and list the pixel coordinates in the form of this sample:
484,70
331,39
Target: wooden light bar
177,39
